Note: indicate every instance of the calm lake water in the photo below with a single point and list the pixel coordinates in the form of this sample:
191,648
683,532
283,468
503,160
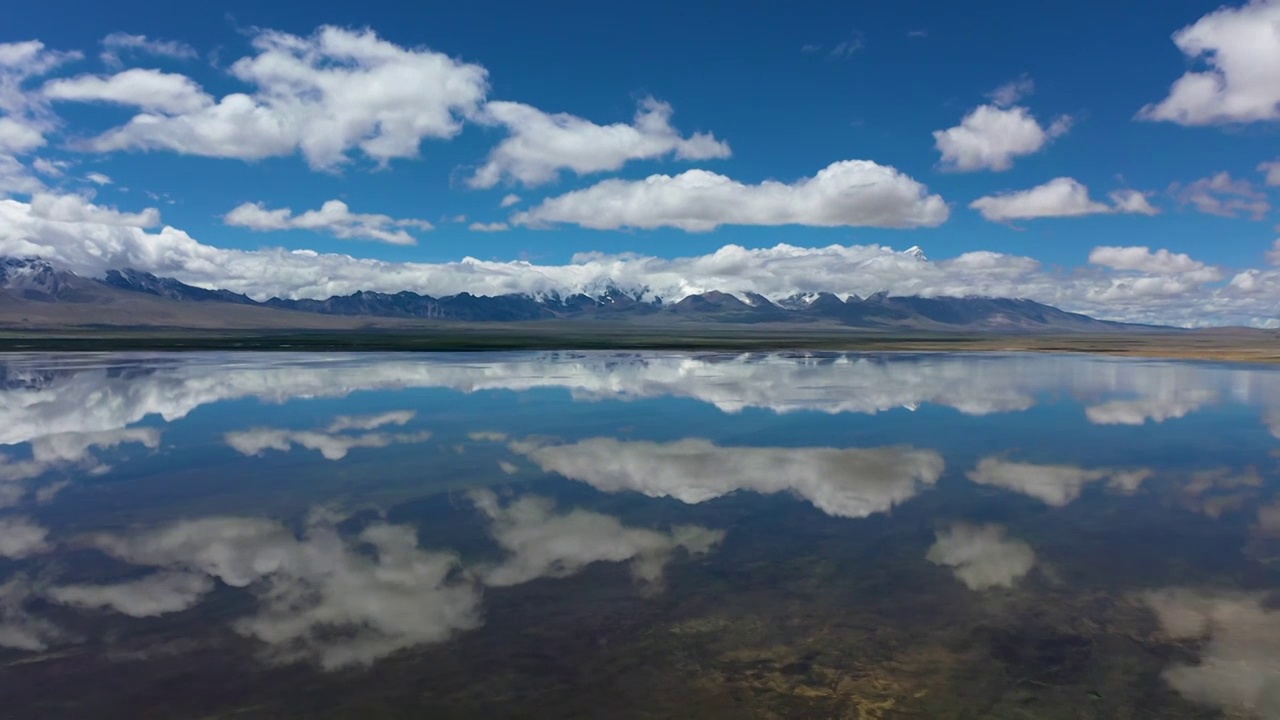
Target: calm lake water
638,536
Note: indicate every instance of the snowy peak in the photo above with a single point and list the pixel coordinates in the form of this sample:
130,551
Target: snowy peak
34,279
915,252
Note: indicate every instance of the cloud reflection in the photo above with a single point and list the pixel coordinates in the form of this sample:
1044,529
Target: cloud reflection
981,556
850,483
1241,640
333,442
1055,485
544,543
84,395
341,600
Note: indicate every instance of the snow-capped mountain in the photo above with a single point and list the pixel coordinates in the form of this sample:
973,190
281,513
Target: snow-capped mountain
26,280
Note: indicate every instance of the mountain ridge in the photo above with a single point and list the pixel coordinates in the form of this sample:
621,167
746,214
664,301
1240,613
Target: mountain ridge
37,281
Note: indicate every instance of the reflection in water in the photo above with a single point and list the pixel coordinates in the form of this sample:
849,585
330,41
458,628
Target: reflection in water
1054,485
156,594
319,596
20,629
635,535
44,397
981,556
543,543
20,537
333,442
848,483
1237,665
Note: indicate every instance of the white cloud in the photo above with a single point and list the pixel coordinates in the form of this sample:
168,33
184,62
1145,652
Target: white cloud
1013,91
852,193
1055,485
325,96
75,209
981,556
118,43
1060,197
1132,201
990,137
156,594
24,117
1241,49
98,178
489,227
777,272
1272,169
542,144
850,483
545,543
1224,196
18,137
1142,259
333,217
1237,635
509,200
52,168
150,90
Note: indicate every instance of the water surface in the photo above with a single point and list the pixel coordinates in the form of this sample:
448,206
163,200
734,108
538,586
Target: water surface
637,535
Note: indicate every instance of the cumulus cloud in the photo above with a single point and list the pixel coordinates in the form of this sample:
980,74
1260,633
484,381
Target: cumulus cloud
851,483
98,178
1224,196
156,594
544,543
1055,485
1272,170
1011,92
509,200
981,556
146,89
322,597
488,227
76,209
852,193
1241,83
24,116
334,217
540,145
1142,259
1240,637
332,443
118,43
1132,201
1060,197
777,273
325,96
991,136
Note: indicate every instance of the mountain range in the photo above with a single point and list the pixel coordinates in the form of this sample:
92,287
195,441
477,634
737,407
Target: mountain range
35,293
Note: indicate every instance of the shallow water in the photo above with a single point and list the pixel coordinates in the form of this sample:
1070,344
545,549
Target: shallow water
638,535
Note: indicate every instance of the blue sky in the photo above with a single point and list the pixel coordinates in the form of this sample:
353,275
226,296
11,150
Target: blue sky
784,93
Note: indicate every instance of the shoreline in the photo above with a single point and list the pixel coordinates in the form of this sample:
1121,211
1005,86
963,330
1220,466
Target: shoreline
1236,345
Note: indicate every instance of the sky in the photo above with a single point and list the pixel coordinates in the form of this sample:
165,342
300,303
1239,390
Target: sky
1102,158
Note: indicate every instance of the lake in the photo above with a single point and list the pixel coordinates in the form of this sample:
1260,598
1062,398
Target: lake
638,535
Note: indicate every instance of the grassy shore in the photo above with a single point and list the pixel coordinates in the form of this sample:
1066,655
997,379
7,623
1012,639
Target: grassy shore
1232,345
